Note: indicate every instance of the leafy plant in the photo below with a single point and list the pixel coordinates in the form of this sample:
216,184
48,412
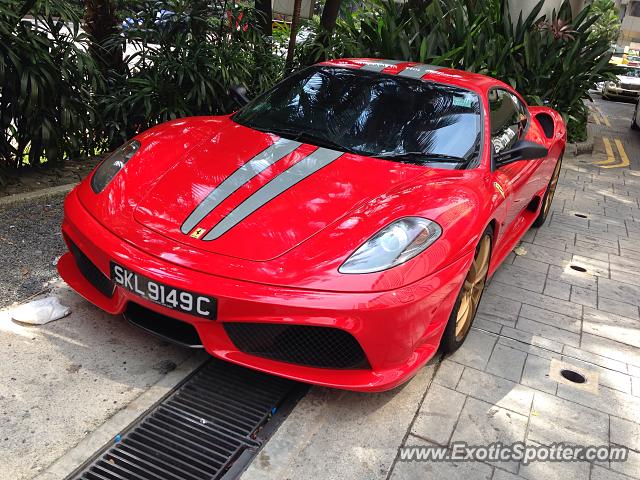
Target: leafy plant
46,85
179,72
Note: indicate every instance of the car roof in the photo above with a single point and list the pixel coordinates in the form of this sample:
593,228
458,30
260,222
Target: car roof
461,78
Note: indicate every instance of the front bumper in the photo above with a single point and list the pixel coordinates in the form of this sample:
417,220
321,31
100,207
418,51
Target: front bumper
611,91
398,330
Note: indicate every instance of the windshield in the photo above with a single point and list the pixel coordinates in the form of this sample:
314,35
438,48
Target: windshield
367,113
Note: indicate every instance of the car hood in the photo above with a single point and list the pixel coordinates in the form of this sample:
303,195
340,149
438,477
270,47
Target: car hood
253,195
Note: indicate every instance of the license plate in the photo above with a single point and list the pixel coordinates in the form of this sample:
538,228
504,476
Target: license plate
170,297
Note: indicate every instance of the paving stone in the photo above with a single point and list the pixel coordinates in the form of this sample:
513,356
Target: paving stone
504,475
528,348
521,277
555,420
608,378
483,323
620,308
550,318
607,400
536,374
584,296
601,473
635,386
482,423
521,261
557,334
610,349
546,254
629,467
572,352
438,414
566,274
499,391
535,299
448,373
615,290
441,470
557,289
625,432
609,325
532,339
555,470
496,306
506,362
476,350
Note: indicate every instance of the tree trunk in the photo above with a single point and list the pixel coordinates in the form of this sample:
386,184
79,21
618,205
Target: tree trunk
265,16
330,15
295,21
101,23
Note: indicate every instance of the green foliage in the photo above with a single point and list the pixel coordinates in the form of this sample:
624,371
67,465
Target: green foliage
552,61
179,72
608,23
46,84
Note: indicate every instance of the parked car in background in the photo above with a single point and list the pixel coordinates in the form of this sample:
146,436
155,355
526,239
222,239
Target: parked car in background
627,86
635,125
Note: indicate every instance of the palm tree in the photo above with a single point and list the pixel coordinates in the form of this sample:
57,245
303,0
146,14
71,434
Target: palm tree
101,24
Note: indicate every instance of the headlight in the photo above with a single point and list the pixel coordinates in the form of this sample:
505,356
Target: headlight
111,165
394,244
611,84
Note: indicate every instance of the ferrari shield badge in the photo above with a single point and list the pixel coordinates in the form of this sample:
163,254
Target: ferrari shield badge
499,188
197,233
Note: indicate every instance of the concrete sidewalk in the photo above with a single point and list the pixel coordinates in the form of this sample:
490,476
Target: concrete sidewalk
571,301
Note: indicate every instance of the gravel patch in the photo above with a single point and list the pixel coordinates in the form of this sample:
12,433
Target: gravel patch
30,244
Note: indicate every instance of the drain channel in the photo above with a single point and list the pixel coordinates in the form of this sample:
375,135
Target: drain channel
209,427
572,376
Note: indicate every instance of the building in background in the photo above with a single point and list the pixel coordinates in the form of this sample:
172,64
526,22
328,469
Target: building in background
630,28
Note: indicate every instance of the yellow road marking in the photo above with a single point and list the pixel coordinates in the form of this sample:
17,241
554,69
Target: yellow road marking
623,156
604,118
610,156
595,117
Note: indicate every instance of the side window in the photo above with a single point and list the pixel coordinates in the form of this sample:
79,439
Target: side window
508,119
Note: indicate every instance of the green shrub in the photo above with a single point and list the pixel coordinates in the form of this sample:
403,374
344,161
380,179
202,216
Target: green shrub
46,85
179,72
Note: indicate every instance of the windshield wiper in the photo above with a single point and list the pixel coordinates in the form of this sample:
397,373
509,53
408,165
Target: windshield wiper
297,135
421,156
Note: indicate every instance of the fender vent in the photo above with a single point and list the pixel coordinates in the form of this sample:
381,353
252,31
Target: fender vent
92,273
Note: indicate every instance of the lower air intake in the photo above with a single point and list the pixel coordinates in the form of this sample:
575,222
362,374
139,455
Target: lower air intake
92,273
322,347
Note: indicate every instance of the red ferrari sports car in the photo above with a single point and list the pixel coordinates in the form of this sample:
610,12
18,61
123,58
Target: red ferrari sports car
336,230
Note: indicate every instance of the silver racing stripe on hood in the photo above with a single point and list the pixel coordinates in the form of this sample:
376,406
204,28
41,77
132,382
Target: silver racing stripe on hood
287,179
263,160
418,71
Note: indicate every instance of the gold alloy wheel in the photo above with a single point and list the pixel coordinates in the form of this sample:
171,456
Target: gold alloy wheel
553,183
472,288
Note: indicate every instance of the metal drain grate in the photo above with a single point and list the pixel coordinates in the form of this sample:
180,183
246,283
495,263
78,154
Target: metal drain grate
200,430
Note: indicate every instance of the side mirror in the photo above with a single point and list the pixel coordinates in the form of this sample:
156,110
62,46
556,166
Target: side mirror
522,150
238,94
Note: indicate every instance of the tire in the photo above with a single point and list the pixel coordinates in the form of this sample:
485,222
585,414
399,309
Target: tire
547,199
455,332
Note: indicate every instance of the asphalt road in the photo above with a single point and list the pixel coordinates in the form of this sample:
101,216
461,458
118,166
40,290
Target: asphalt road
611,121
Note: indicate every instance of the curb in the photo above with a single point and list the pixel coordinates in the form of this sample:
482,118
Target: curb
43,193
582,148
104,434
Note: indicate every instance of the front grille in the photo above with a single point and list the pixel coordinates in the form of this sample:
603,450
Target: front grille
174,330
323,347
630,86
92,273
